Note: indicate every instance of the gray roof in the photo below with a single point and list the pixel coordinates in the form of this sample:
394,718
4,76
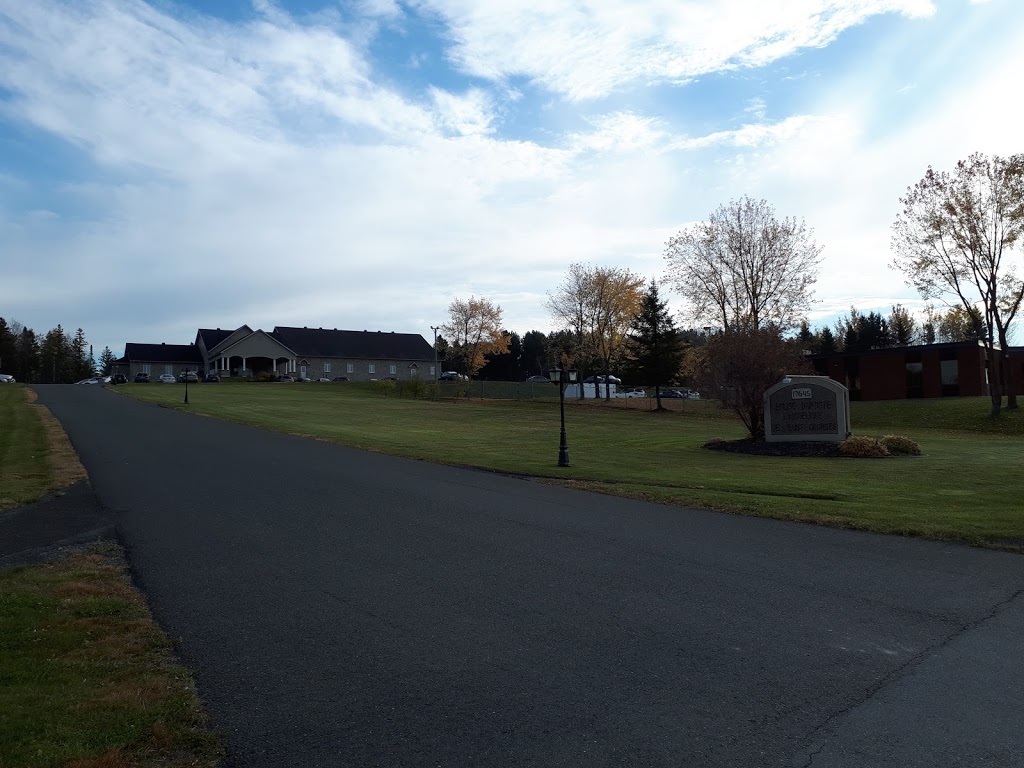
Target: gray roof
367,345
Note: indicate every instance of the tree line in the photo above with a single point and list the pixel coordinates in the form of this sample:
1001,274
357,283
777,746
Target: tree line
746,277
57,357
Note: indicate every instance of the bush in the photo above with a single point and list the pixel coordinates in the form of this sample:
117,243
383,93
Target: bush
862,448
901,446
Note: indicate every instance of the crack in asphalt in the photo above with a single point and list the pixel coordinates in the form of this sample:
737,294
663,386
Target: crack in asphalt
898,673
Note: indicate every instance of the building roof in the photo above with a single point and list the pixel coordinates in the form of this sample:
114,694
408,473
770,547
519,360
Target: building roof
214,336
368,345
162,353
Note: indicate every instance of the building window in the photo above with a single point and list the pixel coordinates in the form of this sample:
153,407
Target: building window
349,368
372,368
433,372
169,369
145,368
393,370
950,370
915,380
327,367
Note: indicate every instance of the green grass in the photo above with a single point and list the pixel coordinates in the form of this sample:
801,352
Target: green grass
966,487
24,472
86,678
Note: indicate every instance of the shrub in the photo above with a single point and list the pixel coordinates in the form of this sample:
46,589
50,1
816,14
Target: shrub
901,446
862,448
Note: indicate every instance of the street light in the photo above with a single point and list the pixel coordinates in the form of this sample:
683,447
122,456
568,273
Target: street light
435,328
560,376
186,386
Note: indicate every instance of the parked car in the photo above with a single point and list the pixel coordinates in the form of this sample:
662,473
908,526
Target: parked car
693,394
6,378
673,393
118,378
167,378
538,380
601,379
452,376
340,378
189,376
285,379
631,393
211,378
142,378
88,381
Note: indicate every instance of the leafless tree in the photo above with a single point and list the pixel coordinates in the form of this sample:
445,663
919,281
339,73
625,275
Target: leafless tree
955,240
744,268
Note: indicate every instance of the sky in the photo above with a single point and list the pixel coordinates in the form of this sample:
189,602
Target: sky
170,165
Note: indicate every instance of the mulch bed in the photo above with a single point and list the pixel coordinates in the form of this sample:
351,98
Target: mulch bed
763,448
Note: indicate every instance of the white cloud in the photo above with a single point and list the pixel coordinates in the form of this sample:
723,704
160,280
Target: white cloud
266,173
585,50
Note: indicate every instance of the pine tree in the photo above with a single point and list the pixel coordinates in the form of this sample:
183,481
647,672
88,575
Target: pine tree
107,360
654,342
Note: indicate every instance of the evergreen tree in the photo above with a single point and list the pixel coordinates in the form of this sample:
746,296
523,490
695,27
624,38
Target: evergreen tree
826,342
655,346
28,356
902,326
107,360
535,353
8,349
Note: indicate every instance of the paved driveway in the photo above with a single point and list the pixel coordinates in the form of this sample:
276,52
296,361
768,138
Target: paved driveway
341,608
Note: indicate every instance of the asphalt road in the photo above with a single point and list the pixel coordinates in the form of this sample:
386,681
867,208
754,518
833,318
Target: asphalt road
341,608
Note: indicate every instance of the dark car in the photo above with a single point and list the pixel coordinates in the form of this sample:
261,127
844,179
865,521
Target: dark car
673,393
118,378
189,376
142,378
340,378
287,379
211,378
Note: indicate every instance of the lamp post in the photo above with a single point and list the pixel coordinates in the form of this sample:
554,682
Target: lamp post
560,376
435,328
186,386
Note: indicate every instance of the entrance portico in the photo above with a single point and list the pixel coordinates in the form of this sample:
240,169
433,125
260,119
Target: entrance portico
256,353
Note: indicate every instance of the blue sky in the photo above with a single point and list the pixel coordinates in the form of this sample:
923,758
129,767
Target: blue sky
169,165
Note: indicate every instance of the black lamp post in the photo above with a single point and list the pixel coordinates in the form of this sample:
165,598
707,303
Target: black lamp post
561,376
186,386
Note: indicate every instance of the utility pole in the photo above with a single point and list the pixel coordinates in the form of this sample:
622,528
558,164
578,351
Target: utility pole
435,328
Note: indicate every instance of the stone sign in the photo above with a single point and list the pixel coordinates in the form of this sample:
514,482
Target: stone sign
807,408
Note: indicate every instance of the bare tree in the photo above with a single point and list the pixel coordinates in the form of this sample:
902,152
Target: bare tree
598,305
955,239
474,329
743,268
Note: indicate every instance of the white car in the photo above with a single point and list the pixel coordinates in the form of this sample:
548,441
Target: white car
6,378
630,393
166,378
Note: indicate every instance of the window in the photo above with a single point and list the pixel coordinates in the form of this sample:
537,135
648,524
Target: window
327,367
393,370
950,370
433,371
915,379
169,369
145,368
349,368
372,368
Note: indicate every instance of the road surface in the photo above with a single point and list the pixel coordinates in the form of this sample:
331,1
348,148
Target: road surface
341,608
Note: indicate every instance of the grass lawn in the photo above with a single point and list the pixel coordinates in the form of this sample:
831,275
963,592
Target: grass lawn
966,487
87,680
